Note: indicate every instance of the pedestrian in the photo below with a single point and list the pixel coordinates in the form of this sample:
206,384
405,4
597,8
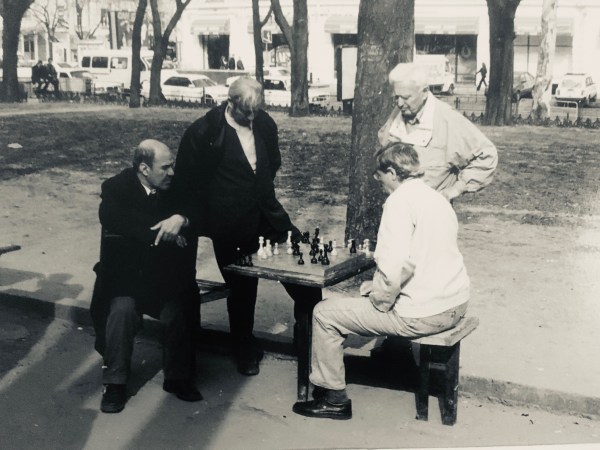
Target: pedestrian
144,269
483,72
52,76
420,285
226,166
455,155
231,62
38,77
239,65
223,63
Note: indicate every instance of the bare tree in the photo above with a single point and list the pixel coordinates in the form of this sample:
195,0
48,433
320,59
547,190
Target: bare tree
257,26
12,12
498,108
385,38
48,14
297,39
136,48
80,6
543,77
161,42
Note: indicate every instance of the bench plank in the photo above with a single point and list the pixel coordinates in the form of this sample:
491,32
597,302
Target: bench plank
211,290
450,337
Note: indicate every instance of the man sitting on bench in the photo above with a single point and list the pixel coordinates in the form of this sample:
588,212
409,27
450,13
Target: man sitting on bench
420,285
146,267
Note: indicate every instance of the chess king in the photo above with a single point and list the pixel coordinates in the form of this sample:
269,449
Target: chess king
226,166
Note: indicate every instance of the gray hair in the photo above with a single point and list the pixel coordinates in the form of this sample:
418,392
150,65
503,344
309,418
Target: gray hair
408,72
403,158
246,92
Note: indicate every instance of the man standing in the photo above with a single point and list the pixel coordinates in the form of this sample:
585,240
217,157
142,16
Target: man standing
144,269
226,165
483,72
420,285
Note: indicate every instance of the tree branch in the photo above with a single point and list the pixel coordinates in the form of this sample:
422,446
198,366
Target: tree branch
283,23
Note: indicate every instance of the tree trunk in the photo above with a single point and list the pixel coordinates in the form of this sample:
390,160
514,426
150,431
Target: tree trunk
257,25
541,94
299,60
12,12
385,38
498,108
160,50
136,47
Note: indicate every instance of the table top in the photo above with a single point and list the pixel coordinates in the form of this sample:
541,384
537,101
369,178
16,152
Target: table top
285,267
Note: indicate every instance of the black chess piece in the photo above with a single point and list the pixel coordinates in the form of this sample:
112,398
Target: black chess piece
249,262
330,247
353,246
306,237
317,233
300,261
325,260
296,249
313,260
312,251
320,258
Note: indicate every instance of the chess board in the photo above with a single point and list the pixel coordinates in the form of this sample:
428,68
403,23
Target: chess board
284,267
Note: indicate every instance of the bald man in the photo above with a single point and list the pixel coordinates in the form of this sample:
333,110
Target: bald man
142,271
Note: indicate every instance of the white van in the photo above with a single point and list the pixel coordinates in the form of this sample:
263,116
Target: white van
115,65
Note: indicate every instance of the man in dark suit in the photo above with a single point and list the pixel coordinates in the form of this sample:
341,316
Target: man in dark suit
146,267
226,165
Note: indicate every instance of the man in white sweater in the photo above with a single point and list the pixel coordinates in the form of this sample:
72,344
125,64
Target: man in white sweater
420,286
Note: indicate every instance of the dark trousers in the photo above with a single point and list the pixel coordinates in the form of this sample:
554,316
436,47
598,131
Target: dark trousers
123,323
241,302
482,81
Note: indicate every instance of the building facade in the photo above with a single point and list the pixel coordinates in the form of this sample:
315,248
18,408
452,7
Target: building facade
211,29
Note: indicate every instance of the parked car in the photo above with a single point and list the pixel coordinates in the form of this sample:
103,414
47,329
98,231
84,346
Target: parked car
523,83
576,87
277,92
190,87
75,79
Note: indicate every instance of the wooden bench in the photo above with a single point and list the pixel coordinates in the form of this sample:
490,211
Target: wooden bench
441,352
211,290
9,248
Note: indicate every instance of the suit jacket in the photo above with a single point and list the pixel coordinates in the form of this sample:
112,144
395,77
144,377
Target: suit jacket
225,197
129,263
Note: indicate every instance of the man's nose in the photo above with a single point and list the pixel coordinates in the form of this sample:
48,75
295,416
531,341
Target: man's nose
171,172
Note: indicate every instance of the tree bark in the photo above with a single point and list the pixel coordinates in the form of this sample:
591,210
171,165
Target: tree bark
541,94
498,108
12,12
257,25
161,42
136,47
385,38
297,38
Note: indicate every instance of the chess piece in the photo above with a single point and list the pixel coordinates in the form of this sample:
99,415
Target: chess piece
314,260
366,248
320,258
333,248
317,233
249,263
330,247
300,261
276,249
261,250
268,248
352,246
325,260
296,248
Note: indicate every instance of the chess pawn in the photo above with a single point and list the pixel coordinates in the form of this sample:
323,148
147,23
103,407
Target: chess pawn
330,247
268,248
296,249
300,261
333,248
314,260
325,260
320,258
249,262
352,246
276,249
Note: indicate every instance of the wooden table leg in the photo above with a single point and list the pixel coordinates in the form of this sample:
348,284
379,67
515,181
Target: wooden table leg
422,395
304,337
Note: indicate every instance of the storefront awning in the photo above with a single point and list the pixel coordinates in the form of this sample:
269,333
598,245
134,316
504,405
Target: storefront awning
341,24
533,25
446,25
210,25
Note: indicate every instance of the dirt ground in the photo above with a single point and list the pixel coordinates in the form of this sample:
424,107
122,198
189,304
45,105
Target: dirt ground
531,240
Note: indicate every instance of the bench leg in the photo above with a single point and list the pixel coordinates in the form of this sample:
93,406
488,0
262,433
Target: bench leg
449,399
422,396
304,338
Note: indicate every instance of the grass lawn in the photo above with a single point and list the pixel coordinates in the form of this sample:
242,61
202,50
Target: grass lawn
543,173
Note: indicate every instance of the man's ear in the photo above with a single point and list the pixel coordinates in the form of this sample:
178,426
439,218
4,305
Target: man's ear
144,169
392,171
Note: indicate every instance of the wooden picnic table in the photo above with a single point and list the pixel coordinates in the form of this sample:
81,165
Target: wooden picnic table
285,267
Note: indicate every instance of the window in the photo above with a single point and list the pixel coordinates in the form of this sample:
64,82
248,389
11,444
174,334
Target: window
100,62
85,61
177,81
118,62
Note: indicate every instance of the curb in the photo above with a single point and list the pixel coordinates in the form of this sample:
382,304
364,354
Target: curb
216,339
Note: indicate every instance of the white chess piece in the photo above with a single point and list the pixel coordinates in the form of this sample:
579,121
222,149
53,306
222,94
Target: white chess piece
333,250
268,249
366,248
289,243
262,254
276,249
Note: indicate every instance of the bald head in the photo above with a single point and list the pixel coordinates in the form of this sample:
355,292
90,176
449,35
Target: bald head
154,163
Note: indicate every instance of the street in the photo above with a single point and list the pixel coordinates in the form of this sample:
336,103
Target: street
50,388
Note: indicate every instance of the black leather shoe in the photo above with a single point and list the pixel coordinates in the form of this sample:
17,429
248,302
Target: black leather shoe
183,389
319,392
324,410
248,361
114,398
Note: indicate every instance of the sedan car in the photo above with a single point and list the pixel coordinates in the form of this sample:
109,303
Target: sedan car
522,85
190,87
278,93
576,87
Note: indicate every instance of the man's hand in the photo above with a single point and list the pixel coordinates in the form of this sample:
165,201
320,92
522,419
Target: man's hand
365,288
168,229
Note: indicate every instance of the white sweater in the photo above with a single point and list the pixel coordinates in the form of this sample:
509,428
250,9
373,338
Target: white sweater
420,271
